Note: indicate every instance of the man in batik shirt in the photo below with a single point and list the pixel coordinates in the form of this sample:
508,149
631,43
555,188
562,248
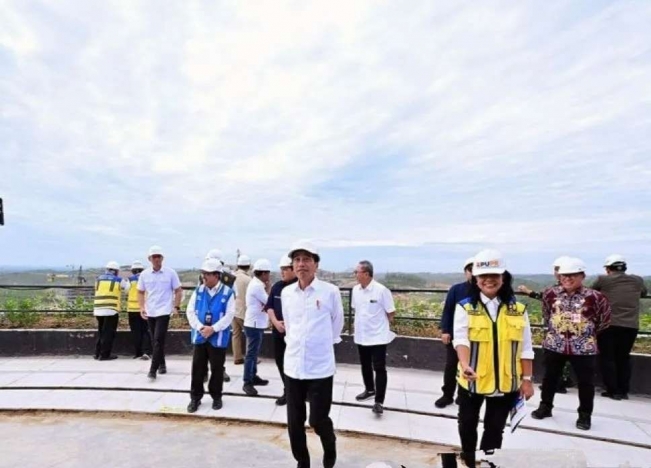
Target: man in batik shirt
574,315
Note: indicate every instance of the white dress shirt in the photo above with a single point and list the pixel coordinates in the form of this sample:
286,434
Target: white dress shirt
256,299
107,312
159,287
314,319
222,323
372,304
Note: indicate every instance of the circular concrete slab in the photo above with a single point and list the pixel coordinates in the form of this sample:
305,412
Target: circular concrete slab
102,441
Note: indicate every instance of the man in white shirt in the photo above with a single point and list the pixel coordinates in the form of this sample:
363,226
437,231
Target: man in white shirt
106,305
242,280
313,318
159,295
374,310
256,321
210,313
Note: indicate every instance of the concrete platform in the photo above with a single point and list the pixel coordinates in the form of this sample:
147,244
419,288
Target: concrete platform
621,431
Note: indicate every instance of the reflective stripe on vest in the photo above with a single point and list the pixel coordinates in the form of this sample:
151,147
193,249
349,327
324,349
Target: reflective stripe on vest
501,371
132,297
107,292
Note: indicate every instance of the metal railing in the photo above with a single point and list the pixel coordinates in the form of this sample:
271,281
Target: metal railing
88,291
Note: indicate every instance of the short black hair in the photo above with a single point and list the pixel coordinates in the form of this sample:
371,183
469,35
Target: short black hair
316,257
619,266
468,267
258,273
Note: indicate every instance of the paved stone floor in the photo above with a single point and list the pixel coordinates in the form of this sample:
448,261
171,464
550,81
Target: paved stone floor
621,430
64,440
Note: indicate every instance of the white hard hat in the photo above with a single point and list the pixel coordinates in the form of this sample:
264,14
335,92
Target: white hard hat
155,250
211,265
137,265
469,261
615,258
285,262
113,265
215,253
488,262
244,260
559,260
307,246
262,265
571,265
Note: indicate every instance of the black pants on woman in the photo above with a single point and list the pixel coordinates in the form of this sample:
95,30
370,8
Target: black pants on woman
497,412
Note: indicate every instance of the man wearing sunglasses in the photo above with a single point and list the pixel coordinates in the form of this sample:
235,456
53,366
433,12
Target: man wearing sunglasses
159,295
574,316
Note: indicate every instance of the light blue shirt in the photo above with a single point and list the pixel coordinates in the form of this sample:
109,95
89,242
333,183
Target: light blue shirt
159,287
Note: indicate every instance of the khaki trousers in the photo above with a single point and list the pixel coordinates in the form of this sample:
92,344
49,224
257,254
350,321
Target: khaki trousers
239,340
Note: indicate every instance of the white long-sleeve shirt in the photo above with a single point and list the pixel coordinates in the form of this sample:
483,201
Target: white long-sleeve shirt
222,323
314,319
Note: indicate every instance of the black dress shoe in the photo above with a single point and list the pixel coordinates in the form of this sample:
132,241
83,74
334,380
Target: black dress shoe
227,378
378,408
282,400
612,396
108,358
96,357
151,375
193,406
542,412
217,404
258,381
443,402
250,390
365,395
584,422
162,370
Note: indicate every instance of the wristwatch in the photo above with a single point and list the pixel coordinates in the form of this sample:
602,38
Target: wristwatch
526,377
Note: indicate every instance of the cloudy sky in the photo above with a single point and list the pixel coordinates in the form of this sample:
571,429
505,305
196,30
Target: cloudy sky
413,135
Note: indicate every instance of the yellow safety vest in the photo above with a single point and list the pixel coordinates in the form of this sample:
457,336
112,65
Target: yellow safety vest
495,348
132,297
108,293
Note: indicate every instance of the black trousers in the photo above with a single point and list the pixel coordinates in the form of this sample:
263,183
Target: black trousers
106,329
497,411
320,394
374,358
139,334
450,372
279,353
158,329
615,346
584,368
202,355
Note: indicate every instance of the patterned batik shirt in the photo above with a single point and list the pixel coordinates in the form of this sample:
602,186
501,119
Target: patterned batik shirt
573,321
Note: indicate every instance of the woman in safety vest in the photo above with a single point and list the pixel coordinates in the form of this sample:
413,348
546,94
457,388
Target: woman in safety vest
492,337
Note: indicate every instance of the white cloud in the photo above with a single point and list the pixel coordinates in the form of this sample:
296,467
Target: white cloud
250,124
